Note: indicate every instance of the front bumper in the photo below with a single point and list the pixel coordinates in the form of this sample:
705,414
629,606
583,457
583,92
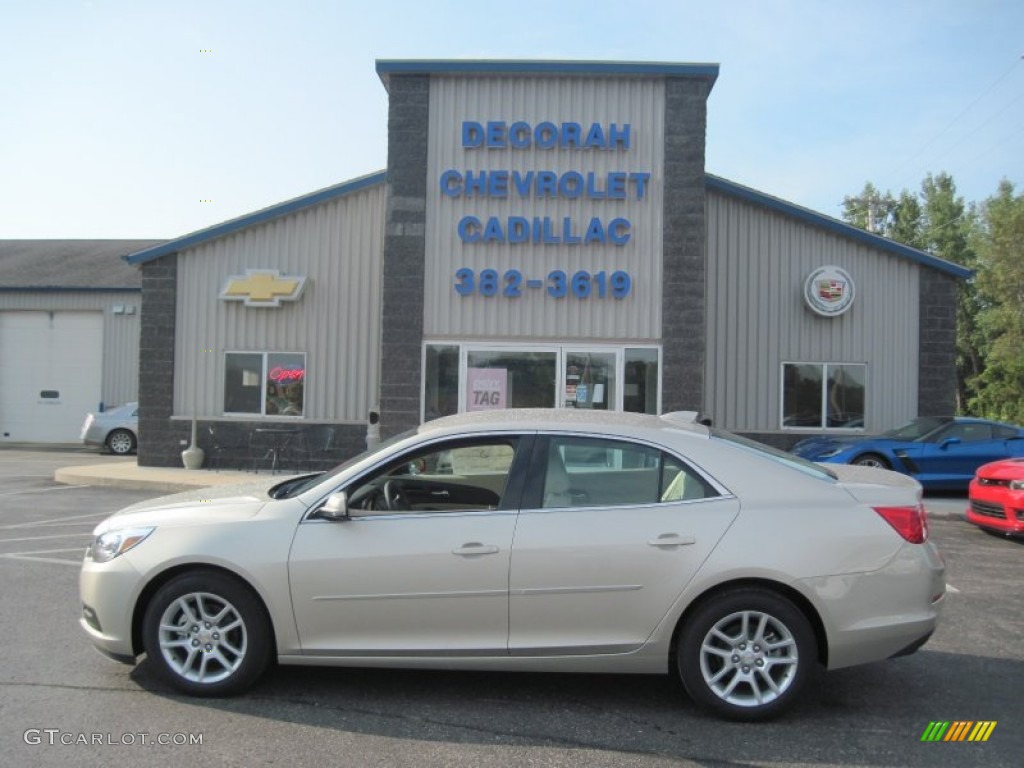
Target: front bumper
108,593
996,509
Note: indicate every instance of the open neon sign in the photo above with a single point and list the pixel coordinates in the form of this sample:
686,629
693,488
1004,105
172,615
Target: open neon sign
280,374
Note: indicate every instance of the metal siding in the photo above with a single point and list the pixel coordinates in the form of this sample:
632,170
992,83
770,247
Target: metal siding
120,332
336,322
638,101
757,263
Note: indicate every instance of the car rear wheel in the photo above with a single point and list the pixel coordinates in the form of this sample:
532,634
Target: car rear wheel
746,653
121,441
871,460
207,634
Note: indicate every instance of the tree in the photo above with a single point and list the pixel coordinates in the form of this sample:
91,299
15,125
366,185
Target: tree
999,387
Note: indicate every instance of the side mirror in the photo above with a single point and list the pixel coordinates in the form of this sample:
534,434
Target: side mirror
948,442
335,508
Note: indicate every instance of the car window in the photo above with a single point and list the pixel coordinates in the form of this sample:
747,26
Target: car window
969,433
589,472
1004,433
452,476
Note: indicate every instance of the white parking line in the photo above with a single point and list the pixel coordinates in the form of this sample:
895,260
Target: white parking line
40,490
39,538
951,588
33,556
56,520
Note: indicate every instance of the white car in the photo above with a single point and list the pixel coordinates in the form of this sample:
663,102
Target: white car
116,429
532,540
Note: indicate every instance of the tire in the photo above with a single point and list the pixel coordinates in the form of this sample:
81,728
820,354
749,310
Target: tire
746,653
871,460
121,442
207,634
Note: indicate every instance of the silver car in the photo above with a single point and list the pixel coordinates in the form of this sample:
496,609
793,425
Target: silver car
115,428
529,540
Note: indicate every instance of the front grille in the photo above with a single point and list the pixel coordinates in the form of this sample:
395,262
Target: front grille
987,481
988,510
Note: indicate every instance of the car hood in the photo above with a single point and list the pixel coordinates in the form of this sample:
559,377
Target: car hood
215,504
1004,469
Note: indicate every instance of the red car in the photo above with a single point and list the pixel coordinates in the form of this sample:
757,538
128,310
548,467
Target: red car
996,497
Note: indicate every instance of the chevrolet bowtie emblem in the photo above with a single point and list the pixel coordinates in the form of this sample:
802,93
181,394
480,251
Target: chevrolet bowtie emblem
262,288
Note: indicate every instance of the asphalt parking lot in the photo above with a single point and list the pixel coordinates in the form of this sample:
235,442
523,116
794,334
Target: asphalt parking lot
56,692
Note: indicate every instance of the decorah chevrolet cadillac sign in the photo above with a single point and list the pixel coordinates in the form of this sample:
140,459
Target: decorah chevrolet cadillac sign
829,291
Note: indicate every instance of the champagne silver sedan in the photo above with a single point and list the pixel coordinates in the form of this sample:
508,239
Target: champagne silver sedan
529,540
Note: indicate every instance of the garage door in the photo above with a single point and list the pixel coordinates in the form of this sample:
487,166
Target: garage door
50,374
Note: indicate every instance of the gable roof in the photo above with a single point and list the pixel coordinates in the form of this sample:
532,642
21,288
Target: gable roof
258,217
813,218
69,265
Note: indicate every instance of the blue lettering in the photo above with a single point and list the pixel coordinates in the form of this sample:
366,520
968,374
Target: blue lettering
595,232
492,232
567,235
618,231
570,184
549,237
571,135
522,182
616,185
595,137
547,184
519,135
641,180
495,135
592,191
475,183
618,138
498,186
451,183
472,134
545,135
469,229
518,229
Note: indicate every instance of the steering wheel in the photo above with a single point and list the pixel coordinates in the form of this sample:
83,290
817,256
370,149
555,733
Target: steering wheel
394,496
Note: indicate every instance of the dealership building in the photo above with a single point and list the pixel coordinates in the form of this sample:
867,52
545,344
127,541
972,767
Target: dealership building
545,235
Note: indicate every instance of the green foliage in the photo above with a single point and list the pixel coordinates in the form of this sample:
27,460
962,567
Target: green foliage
998,389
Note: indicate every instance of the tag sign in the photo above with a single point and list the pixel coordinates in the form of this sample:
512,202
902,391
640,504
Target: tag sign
486,389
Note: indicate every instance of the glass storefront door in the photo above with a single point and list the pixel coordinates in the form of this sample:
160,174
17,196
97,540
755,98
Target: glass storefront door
588,380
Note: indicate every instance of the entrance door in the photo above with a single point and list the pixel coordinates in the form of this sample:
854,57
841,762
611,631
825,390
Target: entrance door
588,380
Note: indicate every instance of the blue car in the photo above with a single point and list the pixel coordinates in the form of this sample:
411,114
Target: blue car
940,453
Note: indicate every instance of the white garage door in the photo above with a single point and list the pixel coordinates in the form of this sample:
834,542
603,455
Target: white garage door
51,373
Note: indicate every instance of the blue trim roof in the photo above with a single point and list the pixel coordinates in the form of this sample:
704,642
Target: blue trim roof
259,217
387,67
814,218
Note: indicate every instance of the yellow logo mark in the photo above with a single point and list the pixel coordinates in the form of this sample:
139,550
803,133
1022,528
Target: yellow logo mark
263,288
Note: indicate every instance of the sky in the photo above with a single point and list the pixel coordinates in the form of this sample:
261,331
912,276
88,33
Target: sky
153,119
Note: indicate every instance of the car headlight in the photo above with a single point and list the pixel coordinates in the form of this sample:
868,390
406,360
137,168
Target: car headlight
830,453
1017,485
107,546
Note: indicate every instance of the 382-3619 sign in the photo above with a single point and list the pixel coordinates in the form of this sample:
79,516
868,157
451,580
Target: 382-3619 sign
511,284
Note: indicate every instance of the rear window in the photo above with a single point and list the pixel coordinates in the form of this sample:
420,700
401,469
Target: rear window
781,457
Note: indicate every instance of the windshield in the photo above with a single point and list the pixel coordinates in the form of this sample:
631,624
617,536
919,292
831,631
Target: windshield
917,429
296,485
791,461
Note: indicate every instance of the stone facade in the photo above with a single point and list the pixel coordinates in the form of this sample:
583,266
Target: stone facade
404,253
936,384
684,299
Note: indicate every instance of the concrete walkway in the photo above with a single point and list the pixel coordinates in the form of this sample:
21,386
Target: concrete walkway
128,474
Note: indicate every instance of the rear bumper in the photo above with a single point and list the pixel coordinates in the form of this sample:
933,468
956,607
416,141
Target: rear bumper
885,613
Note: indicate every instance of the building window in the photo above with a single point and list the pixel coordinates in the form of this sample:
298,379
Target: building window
265,383
823,395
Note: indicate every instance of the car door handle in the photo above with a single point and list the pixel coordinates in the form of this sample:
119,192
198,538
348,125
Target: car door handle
671,540
439,493
476,548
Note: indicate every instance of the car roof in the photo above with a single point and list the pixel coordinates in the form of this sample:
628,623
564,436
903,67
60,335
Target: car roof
555,419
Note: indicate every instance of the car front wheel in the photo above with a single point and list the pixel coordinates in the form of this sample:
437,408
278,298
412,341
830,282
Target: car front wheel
207,634
121,442
746,653
871,460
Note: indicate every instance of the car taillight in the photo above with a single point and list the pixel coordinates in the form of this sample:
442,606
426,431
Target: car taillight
909,522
